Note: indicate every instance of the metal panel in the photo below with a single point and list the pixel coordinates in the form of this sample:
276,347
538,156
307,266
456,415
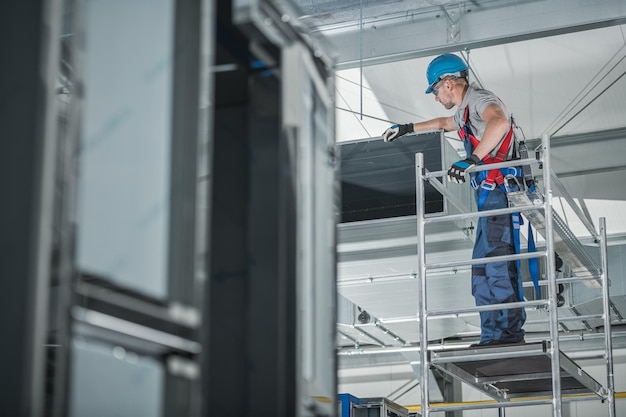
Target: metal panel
27,160
308,122
273,223
378,180
124,184
162,328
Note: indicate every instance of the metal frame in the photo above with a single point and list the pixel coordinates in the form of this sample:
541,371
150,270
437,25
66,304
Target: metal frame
559,363
307,123
96,309
532,357
29,163
60,326
419,32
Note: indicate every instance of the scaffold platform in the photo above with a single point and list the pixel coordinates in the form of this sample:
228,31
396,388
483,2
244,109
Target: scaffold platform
506,372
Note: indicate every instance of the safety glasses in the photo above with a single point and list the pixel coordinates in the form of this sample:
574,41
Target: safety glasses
435,89
438,84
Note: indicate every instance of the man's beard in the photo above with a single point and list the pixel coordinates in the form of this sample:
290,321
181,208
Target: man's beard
448,105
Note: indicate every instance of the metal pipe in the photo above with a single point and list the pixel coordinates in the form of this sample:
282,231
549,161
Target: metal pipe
385,330
608,342
563,280
495,212
577,279
361,58
386,278
421,277
368,334
487,356
488,167
514,402
457,345
572,318
501,258
354,341
449,196
489,307
487,405
551,275
455,315
406,390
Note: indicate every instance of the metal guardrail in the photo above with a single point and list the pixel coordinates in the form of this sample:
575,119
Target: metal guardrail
539,211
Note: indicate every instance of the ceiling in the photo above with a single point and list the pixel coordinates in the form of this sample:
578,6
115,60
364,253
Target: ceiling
559,65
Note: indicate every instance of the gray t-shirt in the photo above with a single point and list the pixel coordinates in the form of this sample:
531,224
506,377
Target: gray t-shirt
478,99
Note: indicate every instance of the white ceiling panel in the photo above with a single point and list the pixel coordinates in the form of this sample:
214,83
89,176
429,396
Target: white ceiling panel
544,82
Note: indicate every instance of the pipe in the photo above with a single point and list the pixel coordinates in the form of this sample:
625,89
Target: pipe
420,212
551,275
608,343
480,404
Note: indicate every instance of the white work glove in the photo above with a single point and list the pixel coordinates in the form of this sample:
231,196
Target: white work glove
396,131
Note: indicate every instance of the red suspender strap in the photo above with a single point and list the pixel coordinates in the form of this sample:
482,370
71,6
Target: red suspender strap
494,175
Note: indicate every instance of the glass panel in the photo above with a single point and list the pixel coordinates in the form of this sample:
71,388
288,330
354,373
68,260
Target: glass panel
124,180
111,381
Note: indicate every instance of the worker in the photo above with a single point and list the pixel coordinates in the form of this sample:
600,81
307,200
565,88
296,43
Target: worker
487,130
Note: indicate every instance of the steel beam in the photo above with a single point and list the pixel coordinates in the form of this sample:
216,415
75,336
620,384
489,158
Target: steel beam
402,36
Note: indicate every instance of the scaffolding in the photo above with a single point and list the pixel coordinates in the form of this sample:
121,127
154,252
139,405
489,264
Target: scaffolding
543,374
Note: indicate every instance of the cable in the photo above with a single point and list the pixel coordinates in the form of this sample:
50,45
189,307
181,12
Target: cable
354,113
383,104
586,91
474,73
365,115
588,104
350,81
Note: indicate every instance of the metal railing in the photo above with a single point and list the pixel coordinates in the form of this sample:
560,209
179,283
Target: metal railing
551,280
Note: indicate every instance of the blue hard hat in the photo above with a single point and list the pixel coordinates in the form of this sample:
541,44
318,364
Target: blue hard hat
446,64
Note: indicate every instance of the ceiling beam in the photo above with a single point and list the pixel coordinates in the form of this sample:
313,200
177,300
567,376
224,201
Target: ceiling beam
404,36
592,171
582,138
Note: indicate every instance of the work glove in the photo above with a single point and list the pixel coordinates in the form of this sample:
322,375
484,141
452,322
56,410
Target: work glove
456,173
396,131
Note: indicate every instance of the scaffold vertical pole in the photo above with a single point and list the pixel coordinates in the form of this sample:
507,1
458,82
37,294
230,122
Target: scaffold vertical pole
421,280
608,343
551,277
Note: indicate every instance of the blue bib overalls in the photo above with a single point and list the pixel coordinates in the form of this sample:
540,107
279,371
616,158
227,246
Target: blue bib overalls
495,282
